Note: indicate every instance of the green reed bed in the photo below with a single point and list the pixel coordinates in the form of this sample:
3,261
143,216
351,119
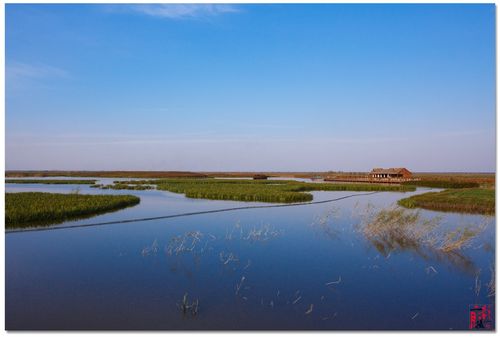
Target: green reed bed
262,193
231,190
442,184
30,209
351,187
124,187
470,200
50,181
281,191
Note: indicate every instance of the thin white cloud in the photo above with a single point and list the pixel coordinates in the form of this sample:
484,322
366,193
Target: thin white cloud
17,70
268,126
184,11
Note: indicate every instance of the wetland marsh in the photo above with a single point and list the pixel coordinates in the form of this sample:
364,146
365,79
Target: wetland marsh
327,266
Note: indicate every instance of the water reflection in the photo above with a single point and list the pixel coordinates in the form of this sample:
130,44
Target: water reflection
308,267
397,229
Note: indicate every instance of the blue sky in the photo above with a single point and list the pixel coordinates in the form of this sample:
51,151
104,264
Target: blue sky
250,87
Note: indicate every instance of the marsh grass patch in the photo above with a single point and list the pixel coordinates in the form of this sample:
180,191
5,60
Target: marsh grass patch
32,209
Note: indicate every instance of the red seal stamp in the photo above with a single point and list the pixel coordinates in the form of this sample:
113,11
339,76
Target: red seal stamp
480,317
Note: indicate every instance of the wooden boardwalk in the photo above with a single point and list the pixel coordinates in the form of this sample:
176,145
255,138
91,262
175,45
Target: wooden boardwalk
369,180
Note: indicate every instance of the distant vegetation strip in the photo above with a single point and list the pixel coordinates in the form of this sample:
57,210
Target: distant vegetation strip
106,174
116,186
484,179
471,200
280,191
50,181
30,209
443,184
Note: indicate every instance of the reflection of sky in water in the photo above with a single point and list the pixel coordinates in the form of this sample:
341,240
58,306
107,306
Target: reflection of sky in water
114,277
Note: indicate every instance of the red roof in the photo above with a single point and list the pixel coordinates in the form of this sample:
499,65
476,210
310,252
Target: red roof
399,170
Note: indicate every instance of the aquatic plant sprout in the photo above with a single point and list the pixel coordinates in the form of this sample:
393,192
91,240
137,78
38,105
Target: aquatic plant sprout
398,229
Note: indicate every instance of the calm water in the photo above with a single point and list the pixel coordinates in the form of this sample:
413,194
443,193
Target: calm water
134,275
